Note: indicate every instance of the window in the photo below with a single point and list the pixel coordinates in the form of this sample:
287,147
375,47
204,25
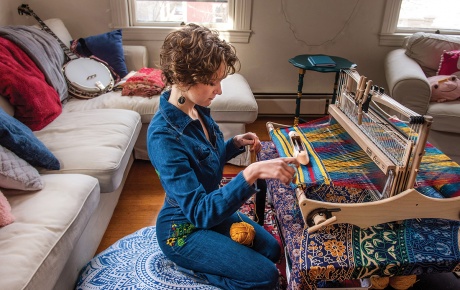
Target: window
212,13
404,17
153,19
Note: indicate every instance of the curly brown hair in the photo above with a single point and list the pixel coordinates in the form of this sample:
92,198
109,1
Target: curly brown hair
193,55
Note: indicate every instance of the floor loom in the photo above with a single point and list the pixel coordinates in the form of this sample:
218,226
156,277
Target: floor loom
362,110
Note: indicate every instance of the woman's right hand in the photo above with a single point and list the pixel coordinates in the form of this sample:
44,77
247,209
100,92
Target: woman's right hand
278,168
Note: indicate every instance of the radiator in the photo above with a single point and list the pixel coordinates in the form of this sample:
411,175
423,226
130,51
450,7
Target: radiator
285,104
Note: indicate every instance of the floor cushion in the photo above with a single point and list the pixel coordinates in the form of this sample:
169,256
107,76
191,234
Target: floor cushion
135,262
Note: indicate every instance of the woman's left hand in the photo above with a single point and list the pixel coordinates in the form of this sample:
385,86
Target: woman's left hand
248,139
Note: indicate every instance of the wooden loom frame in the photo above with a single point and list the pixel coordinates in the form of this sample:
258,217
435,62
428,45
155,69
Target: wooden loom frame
410,203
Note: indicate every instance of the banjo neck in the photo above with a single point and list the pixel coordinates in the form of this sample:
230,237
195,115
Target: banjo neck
24,9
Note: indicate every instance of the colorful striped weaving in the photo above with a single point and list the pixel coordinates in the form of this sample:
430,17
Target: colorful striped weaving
337,162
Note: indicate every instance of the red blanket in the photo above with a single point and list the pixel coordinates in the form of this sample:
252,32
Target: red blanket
35,102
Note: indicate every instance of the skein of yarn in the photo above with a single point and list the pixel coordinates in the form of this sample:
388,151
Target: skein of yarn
403,282
242,233
379,282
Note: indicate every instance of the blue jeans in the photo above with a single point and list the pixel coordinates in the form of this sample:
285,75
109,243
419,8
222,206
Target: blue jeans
213,255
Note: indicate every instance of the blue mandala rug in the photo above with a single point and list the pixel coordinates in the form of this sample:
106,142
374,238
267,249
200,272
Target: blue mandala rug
136,262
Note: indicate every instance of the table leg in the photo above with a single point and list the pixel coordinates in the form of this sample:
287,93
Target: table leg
299,96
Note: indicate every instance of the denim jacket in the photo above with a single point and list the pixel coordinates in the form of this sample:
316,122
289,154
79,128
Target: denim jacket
190,169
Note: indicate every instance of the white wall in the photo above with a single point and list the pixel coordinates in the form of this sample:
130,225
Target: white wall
346,28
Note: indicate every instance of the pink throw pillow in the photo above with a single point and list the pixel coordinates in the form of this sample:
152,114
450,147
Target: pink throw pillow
449,64
6,217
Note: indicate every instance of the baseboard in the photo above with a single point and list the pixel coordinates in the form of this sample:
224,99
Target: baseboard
285,104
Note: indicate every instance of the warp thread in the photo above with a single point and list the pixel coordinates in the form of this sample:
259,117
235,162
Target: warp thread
242,233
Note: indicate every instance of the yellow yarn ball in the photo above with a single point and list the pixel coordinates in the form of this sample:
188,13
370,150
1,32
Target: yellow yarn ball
403,282
242,233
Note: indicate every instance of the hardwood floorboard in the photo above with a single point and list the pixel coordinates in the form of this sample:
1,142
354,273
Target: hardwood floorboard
143,195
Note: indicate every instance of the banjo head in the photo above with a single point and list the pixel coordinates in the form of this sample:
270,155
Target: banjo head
88,75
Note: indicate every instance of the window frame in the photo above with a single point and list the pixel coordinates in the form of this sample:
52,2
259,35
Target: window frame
241,32
388,34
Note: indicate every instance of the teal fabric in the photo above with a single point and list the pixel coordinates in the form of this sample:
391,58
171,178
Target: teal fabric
19,139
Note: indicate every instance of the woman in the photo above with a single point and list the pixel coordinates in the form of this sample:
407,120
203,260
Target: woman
188,152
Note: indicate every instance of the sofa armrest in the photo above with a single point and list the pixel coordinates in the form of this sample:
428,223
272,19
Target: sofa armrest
406,81
135,57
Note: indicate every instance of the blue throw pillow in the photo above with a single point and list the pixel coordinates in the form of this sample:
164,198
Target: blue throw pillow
109,48
19,139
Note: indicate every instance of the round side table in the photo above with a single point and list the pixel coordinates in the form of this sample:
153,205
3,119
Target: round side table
303,64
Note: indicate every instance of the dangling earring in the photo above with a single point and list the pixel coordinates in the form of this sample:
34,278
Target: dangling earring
181,100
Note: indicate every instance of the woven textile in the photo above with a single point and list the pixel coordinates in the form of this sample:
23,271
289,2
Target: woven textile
337,163
345,252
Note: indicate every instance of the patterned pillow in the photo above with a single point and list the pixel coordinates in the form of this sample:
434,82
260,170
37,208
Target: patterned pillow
16,173
450,64
6,217
18,138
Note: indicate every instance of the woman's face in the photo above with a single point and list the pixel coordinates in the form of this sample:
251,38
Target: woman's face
203,94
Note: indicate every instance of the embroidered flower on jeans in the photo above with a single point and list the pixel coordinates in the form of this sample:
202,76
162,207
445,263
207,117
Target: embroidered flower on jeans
179,234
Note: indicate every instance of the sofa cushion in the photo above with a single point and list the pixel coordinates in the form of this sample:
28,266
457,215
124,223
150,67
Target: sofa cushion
57,26
18,138
446,116
146,107
98,143
236,104
35,248
427,48
108,47
16,173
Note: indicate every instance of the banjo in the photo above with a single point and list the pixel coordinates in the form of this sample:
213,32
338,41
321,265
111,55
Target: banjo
86,78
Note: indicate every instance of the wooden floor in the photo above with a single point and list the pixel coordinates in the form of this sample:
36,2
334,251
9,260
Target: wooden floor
143,195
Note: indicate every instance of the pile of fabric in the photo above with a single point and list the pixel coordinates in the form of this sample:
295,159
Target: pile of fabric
146,82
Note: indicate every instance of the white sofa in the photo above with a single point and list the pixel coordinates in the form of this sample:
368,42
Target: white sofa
407,70
58,228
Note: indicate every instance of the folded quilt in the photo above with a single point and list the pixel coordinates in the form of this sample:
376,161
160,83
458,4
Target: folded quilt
147,82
